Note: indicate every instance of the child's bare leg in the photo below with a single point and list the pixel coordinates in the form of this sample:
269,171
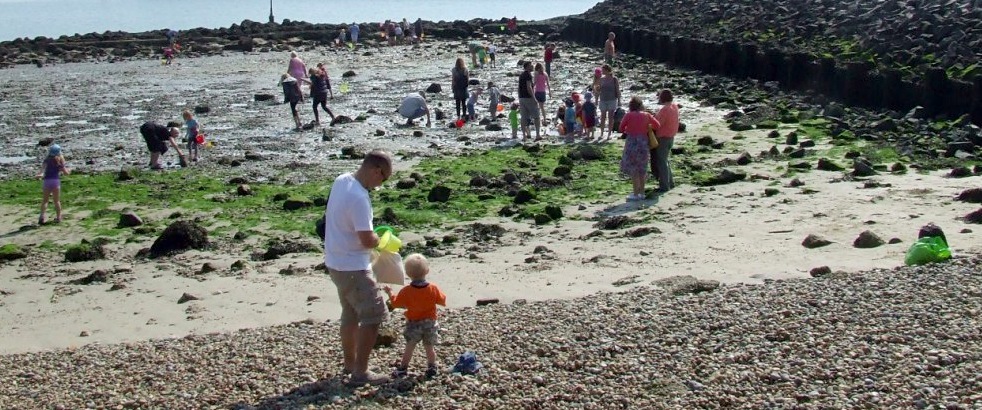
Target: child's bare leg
603,122
407,355
44,203
56,196
430,355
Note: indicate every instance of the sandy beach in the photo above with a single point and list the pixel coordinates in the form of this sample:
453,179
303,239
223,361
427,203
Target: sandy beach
731,233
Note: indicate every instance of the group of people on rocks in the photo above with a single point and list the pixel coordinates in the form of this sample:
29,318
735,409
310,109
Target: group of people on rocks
320,88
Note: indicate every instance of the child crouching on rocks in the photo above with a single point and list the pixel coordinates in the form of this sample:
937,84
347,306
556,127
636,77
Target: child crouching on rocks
419,299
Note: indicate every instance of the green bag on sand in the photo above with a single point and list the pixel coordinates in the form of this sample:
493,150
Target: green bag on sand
926,250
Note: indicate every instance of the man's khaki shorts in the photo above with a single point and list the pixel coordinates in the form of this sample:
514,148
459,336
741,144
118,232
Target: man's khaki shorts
360,298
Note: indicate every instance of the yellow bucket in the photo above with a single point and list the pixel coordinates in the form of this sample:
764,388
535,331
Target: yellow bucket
389,242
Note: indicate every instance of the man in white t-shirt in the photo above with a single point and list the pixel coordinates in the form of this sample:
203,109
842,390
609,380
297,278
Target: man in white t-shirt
348,243
414,106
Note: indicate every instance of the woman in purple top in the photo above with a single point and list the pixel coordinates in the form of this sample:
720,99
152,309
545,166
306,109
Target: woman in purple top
51,170
298,70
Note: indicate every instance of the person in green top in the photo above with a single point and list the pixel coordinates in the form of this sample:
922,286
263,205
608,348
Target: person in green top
513,120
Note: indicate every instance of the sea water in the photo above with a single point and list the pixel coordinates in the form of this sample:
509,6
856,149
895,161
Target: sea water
53,18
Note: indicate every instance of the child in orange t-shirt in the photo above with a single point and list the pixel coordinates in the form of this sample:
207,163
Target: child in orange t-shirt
419,299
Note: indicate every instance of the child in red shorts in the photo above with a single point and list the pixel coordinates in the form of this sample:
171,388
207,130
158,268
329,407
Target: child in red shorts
419,299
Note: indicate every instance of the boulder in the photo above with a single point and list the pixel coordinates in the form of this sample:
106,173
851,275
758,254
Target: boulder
11,252
972,196
129,220
439,193
825,164
820,271
434,88
862,168
280,247
725,176
866,240
523,196
813,241
86,251
178,237
294,204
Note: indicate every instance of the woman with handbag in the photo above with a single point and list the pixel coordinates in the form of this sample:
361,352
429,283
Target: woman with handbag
668,117
634,162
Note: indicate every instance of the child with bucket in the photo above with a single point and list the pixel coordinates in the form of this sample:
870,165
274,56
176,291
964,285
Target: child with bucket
194,135
420,299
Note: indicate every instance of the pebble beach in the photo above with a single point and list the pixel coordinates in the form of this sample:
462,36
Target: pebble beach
897,338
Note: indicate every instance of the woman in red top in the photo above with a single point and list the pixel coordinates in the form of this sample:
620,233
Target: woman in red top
634,162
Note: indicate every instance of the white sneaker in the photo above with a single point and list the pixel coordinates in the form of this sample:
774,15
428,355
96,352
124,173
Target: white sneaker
632,198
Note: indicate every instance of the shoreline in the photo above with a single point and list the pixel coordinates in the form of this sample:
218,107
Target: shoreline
703,231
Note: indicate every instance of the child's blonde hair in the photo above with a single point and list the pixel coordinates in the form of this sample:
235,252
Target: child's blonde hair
416,266
187,115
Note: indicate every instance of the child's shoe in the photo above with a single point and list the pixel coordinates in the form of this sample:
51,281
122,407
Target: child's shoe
399,372
431,370
41,220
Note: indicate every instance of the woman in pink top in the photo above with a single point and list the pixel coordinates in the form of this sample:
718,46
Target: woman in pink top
634,162
668,117
541,85
298,70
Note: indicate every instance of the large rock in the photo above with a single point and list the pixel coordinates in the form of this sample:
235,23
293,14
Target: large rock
866,240
178,237
86,251
11,252
686,285
434,88
439,193
725,176
972,195
280,247
129,220
293,204
813,241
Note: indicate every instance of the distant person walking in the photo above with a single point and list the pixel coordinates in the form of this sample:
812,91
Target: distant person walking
354,29
610,51
528,107
51,170
459,80
668,117
319,88
291,94
298,70
348,242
